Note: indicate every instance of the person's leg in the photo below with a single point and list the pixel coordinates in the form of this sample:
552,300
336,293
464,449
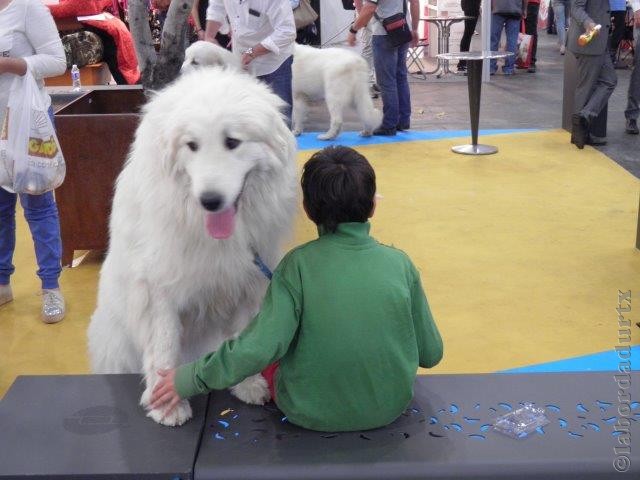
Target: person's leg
531,28
385,59
7,241
280,83
618,31
558,9
41,213
367,51
512,27
633,96
404,93
471,8
497,21
605,82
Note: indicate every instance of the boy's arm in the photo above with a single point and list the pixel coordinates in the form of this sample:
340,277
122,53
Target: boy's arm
266,340
429,341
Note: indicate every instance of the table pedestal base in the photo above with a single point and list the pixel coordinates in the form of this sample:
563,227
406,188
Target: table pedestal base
475,149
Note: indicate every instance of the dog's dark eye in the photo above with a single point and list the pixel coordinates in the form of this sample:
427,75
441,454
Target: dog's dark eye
193,146
231,143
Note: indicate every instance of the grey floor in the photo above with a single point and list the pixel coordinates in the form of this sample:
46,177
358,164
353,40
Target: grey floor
525,100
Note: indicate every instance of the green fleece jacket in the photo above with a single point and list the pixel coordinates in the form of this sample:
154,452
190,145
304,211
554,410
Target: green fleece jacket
349,322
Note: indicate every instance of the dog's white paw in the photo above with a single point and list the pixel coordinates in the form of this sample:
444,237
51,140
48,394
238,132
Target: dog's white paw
366,133
253,390
327,136
145,399
177,417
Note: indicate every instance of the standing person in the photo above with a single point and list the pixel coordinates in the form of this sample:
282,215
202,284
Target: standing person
264,34
531,28
596,76
390,61
29,41
561,10
618,10
506,14
633,96
367,51
471,8
344,365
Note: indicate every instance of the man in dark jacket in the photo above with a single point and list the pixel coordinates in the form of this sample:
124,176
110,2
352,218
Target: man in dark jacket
506,14
596,76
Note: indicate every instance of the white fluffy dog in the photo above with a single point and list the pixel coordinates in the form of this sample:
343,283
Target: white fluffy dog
335,75
210,183
338,76
208,54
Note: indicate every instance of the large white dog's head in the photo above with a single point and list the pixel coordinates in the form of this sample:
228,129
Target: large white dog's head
207,54
209,133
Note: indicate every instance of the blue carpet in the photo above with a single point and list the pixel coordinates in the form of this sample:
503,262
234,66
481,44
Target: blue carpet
309,141
597,362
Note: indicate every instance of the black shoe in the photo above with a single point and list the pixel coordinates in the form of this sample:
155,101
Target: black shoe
596,141
402,127
579,130
385,132
532,68
632,126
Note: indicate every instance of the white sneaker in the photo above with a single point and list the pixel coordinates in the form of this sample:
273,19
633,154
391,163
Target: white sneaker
6,295
53,307
562,49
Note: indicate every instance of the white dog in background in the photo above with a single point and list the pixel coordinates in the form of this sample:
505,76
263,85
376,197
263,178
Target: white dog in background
338,76
210,183
335,75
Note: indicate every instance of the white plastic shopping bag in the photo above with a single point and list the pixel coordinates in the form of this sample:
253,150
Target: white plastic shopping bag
30,157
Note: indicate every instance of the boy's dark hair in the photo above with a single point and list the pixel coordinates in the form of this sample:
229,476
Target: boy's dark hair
338,185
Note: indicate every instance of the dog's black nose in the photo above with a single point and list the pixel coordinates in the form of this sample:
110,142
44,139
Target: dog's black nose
211,201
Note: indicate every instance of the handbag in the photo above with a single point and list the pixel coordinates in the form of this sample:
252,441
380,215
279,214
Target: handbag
30,157
398,31
524,51
82,48
304,14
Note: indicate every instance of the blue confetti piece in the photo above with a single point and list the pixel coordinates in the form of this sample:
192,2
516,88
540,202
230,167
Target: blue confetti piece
477,436
553,408
575,435
505,406
283,419
593,426
610,420
476,406
457,427
446,427
454,408
485,427
236,434
617,433
563,423
235,416
223,423
581,408
471,420
442,410
415,410
635,405
217,436
540,430
433,420
492,410
603,406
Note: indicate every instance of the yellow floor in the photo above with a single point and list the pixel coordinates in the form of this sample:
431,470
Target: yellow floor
522,254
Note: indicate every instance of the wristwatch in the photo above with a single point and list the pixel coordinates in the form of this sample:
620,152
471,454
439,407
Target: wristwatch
249,52
352,30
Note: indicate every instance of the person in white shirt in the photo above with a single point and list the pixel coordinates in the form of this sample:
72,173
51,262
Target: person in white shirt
263,34
633,96
29,41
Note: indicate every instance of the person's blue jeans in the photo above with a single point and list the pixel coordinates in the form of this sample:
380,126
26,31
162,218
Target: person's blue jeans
391,74
561,21
41,213
280,83
512,27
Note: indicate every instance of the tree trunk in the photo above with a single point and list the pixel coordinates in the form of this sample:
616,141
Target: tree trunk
161,68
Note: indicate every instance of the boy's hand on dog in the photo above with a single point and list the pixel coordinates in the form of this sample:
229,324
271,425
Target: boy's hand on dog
164,394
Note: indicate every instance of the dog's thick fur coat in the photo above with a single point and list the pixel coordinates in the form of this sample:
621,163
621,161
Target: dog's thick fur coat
168,291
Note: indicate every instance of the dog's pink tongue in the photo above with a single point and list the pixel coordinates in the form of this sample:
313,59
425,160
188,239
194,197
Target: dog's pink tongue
220,224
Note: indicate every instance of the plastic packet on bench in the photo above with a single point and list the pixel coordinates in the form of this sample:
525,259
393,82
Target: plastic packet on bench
521,422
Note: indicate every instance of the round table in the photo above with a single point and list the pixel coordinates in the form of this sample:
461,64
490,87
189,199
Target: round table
474,80
443,24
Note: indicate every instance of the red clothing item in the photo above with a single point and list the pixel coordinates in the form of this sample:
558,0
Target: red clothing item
269,375
126,52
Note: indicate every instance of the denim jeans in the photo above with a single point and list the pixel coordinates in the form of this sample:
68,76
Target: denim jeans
41,213
512,27
391,75
561,20
280,83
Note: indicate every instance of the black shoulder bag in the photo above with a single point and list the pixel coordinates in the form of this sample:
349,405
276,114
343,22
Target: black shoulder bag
398,31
